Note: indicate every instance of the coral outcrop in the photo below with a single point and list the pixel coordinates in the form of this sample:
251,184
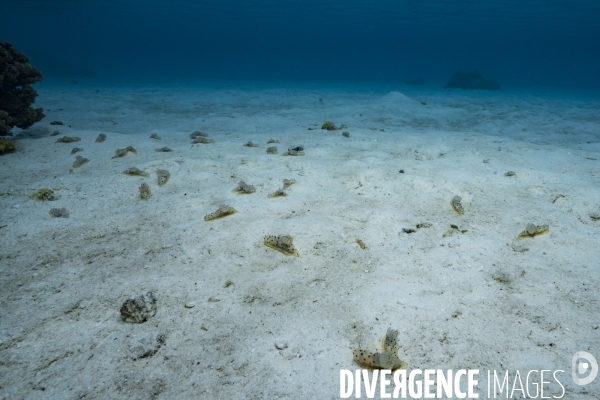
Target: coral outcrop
16,93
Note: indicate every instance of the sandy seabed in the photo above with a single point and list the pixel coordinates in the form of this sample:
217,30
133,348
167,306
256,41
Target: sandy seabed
476,298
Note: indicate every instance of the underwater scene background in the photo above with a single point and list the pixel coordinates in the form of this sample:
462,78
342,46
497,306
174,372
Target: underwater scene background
541,43
242,199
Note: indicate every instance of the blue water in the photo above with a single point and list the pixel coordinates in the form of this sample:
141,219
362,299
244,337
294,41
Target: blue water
520,43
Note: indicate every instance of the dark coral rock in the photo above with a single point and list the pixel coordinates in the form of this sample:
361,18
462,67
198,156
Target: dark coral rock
471,80
16,93
139,309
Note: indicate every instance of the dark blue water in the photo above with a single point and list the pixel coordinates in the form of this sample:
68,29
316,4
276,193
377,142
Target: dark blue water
539,43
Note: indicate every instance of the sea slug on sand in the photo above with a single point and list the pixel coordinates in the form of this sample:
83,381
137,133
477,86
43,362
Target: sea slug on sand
295,150
123,152
457,205
533,230
200,137
134,171
79,161
387,359
244,188
145,191
163,176
45,194
59,213
68,139
330,126
281,192
223,211
139,309
283,244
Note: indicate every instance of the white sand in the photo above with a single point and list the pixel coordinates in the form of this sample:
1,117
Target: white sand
472,300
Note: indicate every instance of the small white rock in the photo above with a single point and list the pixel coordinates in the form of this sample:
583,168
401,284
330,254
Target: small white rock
190,304
281,345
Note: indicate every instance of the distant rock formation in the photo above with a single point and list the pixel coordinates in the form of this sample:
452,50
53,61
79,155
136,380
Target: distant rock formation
16,93
415,82
471,80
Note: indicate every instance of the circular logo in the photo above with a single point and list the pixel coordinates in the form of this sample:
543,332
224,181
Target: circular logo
583,363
